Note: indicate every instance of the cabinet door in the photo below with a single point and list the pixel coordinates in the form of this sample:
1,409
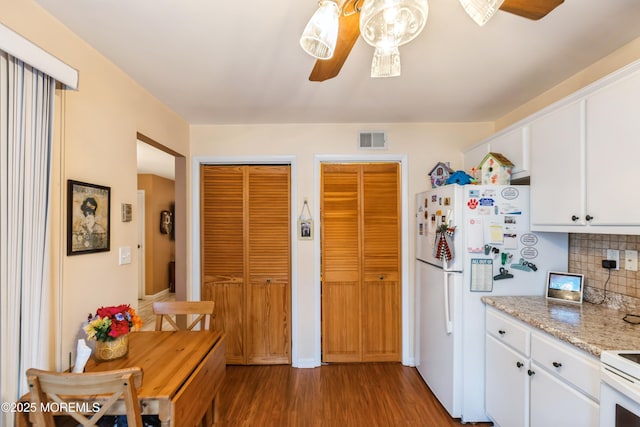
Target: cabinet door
514,145
555,403
613,149
557,173
475,155
506,386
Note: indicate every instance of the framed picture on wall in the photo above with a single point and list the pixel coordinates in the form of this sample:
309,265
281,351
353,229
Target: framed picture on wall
305,229
88,218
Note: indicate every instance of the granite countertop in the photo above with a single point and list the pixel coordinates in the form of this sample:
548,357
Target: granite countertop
590,327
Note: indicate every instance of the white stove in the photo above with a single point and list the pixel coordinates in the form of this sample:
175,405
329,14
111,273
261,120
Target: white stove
620,389
625,362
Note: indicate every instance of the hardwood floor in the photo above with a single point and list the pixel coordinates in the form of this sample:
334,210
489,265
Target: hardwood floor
362,394
145,310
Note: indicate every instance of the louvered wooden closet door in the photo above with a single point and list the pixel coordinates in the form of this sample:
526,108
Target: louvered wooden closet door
268,255
361,293
340,231
246,259
382,293
223,251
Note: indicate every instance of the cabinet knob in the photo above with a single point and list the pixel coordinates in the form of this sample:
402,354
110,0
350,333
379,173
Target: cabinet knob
519,364
268,281
575,218
588,217
382,277
530,372
557,364
502,332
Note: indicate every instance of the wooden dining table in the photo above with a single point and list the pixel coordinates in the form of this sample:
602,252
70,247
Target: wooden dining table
182,373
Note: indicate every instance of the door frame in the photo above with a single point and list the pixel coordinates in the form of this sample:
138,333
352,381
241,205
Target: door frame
142,262
407,337
193,291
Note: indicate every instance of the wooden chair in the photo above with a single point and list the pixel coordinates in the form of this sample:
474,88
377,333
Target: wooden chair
63,387
167,309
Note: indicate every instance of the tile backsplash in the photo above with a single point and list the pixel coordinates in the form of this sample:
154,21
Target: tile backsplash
586,252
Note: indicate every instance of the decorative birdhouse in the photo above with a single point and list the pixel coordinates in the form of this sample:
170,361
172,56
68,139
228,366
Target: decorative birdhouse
439,174
495,169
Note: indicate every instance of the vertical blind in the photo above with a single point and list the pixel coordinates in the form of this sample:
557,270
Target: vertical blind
26,112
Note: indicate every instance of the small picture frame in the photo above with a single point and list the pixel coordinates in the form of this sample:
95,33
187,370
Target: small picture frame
88,218
305,229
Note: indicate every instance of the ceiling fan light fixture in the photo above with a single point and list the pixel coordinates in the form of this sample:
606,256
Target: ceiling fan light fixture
321,33
386,62
481,11
392,22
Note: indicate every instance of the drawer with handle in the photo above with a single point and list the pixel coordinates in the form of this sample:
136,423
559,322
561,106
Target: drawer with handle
508,330
567,362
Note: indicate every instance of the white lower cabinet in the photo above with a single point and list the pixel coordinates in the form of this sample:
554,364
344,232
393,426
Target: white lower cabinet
506,385
537,380
554,402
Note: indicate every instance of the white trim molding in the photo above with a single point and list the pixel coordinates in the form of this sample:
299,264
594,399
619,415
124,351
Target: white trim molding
407,335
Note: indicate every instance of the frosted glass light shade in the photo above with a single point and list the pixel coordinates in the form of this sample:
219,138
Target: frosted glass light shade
481,10
386,62
386,23
320,35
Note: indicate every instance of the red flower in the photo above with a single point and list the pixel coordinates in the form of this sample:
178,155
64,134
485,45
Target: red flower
110,312
119,328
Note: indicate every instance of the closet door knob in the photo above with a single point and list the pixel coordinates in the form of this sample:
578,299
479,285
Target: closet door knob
588,217
557,364
530,372
519,364
574,218
501,332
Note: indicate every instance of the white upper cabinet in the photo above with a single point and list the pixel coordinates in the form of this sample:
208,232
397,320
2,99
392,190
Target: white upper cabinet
585,154
613,153
557,154
512,143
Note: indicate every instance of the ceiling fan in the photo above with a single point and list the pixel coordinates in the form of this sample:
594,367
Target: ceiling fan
349,29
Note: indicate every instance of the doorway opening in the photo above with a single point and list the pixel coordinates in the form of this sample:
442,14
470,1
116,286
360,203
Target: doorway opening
161,211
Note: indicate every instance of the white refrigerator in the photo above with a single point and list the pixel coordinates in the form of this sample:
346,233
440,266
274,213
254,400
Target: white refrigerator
472,241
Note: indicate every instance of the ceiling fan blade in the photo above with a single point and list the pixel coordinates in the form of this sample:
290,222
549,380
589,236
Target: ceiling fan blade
531,9
348,32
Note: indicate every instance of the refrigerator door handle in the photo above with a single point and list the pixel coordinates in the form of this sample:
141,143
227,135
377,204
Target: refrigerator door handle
447,313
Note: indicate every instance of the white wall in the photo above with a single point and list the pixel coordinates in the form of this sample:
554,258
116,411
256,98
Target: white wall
422,144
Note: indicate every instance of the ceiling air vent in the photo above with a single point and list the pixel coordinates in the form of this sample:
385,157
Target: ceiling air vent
373,140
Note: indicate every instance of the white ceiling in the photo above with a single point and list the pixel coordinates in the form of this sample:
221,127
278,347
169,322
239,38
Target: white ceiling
217,62
154,161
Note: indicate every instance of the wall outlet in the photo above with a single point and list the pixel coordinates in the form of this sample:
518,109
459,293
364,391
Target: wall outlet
614,255
631,260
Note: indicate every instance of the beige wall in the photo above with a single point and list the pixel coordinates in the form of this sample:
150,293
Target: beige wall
423,144
94,141
159,194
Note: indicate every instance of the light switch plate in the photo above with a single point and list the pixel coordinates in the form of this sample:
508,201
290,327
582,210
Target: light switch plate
124,255
631,260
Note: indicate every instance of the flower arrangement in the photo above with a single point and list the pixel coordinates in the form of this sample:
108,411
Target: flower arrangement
112,322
